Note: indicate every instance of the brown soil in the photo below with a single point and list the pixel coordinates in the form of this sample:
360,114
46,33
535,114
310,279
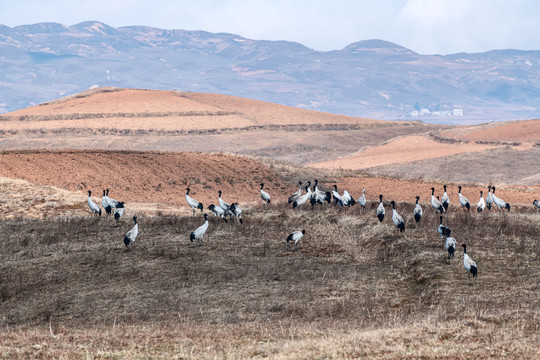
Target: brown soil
400,150
146,177
173,107
113,100
158,181
527,130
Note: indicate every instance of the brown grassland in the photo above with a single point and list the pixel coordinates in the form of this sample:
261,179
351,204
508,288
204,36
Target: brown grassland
354,289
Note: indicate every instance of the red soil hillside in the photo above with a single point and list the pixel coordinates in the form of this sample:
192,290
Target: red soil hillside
518,131
400,150
145,177
150,177
163,110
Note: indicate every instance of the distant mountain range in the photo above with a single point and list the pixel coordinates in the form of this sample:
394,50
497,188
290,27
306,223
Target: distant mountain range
372,78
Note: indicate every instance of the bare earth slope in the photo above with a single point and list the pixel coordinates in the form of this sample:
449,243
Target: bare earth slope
122,119
145,120
145,177
56,182
518,131
400,150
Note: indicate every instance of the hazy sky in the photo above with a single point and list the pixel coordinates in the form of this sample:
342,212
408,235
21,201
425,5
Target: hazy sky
424,26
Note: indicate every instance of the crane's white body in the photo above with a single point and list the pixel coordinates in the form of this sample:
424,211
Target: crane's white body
112,203
489,199
194,204
463,200
397,219
417,212
264,195
362,199
222,204
469,264
445,200
481,203
338,200
131,235
319,196
437,205
217,210
450,246
200,231
380,209
93,206
118,212
441,229
105,202
296,194
501,204
301,200
348,200
295,236
236,212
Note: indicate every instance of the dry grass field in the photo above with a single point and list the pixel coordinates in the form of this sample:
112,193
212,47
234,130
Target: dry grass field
354,289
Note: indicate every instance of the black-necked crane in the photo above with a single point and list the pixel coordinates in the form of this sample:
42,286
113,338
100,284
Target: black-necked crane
450,243
380,209
437,205
295,236
264,195
445,200
129,239
112,202
194,204
463,200
218,211
536,203
396,218
338,200
105,203
119,211
96,210
200,231
296,194
469,264
441,228
501,204
481,203
348,200
417,212
222,204
362,199
301,200
319,196
236,212
489,199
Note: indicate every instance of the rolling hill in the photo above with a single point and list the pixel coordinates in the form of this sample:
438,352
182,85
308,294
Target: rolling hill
124,119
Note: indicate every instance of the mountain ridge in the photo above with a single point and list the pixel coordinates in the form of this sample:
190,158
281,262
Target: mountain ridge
368,78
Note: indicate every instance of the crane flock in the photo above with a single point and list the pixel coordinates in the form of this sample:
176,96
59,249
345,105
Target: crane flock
315,196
